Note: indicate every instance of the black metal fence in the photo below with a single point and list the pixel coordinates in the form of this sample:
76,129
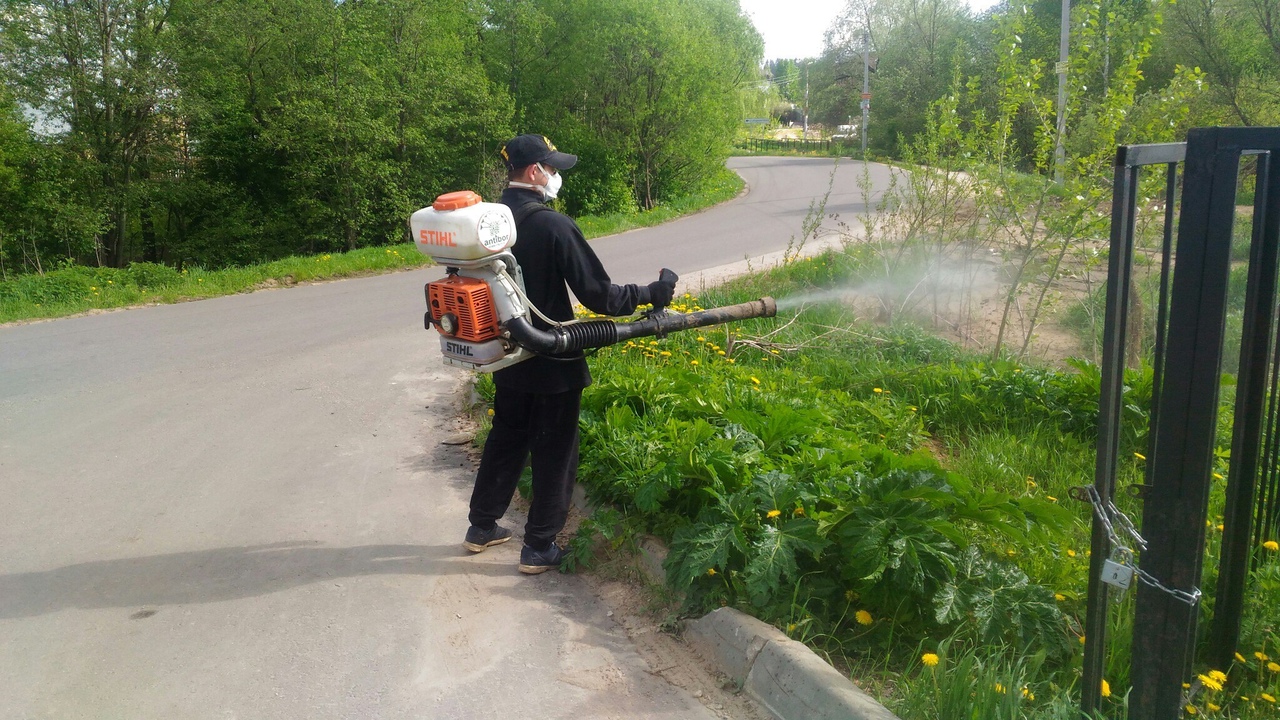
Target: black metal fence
1188,354
766,145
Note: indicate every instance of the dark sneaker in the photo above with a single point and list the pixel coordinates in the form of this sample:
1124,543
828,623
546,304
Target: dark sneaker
533,561
479,540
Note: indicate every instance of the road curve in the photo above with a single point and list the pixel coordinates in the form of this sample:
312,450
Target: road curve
245,507
781,191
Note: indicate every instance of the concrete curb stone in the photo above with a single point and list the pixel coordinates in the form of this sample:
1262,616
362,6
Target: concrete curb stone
732,640
792,682
783,675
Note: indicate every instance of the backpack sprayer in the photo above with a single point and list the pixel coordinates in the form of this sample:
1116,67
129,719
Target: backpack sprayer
480,308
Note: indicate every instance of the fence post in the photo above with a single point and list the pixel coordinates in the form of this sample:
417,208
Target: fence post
1176,506
1250,417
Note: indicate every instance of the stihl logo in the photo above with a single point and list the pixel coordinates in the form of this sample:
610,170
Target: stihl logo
436,237
458,348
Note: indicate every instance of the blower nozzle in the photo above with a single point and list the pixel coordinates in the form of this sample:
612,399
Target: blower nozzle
602,333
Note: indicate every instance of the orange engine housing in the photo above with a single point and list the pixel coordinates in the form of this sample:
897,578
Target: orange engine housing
470,301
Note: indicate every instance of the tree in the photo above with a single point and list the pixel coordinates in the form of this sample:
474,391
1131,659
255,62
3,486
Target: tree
326,125
646,91
1237,44
101,69
917,44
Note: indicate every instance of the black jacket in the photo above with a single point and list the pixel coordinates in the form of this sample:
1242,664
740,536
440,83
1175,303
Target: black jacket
552,253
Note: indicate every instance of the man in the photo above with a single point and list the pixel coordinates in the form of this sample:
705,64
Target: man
537,401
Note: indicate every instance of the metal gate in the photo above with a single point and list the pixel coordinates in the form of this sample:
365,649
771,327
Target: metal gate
1187,364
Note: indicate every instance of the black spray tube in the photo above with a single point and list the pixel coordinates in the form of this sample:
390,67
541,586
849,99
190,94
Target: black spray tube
602,333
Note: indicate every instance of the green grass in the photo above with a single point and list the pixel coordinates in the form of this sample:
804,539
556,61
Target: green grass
729,456
74,289
725,185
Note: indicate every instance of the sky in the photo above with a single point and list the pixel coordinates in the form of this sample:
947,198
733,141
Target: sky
794,28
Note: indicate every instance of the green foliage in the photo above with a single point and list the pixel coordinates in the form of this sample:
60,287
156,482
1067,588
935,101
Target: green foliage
75,288
808,490
646,92
969,682
606,531
999,605
876,492
231,133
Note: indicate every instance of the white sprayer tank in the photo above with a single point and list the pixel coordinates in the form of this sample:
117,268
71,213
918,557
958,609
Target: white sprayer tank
460,227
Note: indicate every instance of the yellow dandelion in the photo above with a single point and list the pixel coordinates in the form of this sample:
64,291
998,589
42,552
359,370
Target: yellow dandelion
755,379
1026,693
1244,698
1031,483
720,353
1261,656
1051,498
711,572
1059,597
773,513
1191,710
1218,675
929,659
1140,456
791,627
1186,686
1218,476
1212,708
999,688
693,362
863,617
1271,545
665,353
729,360
1071,553
1081,639
876,390
1240,658
1267,697
775,352
1273,667
798,512
490,412
1220,527
701,339
1211,683
1106,689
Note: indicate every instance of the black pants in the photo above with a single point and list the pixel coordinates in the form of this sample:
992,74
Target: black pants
546,428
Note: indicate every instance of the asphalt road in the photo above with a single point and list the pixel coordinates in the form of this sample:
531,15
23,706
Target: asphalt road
243,508
781,192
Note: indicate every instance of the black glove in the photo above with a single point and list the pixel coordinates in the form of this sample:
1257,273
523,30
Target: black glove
663,289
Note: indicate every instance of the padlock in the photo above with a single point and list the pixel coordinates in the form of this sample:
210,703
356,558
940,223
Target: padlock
1117,571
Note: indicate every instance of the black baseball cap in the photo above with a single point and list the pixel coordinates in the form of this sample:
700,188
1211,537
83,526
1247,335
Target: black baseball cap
526,150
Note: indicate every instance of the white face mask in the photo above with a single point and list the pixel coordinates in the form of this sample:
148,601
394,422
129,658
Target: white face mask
550,190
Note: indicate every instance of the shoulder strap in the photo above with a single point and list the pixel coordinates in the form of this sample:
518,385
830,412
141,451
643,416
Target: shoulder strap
524,211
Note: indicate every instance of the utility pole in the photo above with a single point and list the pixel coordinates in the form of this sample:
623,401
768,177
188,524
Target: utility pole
806,101
1059,154
866,88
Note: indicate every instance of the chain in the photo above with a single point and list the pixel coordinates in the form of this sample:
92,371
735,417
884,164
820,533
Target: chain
1110,516
1190,598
